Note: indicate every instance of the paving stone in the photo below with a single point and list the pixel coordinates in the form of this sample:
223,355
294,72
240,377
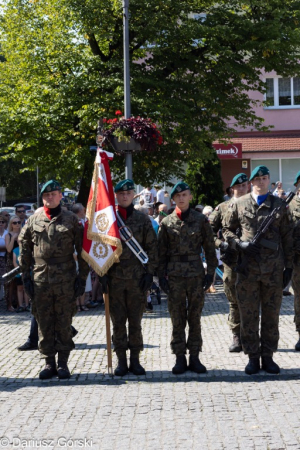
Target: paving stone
222,409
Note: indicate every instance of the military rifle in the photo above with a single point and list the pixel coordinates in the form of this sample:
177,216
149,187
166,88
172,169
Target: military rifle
263,228
7,277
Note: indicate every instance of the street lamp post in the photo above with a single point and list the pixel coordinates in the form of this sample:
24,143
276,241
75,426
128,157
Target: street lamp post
37,187
127,112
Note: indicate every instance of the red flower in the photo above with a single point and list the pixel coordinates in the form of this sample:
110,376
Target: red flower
118,113
114,120
104,120
160,140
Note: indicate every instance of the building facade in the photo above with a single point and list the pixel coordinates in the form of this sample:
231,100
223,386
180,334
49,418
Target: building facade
278,149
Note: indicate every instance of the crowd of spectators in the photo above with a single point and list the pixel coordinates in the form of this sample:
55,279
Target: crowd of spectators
10,228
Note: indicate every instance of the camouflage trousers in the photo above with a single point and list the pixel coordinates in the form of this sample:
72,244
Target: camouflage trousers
229,279
185,303
126,303
54,306
296,287
258,291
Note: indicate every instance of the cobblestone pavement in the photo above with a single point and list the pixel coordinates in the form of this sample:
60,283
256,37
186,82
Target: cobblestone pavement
223,409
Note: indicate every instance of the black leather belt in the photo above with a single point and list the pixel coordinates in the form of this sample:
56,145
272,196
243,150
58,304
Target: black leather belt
60,259
184,258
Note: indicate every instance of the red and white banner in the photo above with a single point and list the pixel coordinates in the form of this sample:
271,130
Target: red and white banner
102,245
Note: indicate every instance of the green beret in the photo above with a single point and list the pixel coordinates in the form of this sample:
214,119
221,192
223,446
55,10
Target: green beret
259,171
51,186
239,179
179,187
124,185
297,178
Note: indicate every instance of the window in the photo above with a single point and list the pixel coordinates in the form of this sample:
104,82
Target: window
281,169
283,92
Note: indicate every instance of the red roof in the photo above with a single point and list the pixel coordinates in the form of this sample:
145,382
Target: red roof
268,142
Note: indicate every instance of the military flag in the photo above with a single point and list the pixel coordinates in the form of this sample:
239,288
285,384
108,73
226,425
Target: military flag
102,245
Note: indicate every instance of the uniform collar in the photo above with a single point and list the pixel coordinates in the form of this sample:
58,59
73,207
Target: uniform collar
267,201
52,212
126,212
182,215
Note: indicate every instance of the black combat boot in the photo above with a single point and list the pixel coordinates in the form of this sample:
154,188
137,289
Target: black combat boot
63,370
180,365
236,346
253,366
135,366
297,346
49,370
269,365
122,367
195,364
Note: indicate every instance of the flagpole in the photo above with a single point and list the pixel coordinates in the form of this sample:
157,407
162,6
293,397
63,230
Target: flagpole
108,335
127,106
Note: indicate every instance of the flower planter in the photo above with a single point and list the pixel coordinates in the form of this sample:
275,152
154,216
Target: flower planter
124,147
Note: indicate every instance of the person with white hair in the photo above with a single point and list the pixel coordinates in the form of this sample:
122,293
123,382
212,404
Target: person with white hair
207,210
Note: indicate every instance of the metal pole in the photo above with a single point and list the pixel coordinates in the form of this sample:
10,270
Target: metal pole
127,111
37,187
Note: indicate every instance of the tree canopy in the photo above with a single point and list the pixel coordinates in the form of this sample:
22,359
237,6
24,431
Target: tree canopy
193,63
203,177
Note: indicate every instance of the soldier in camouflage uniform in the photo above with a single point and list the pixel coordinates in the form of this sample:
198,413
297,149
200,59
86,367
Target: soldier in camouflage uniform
269,269
239,185
295,213
128,282
47,244
181,237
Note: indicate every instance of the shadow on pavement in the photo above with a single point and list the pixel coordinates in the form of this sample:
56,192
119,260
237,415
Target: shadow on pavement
162,377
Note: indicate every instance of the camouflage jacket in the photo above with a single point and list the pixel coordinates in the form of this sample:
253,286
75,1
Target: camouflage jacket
179,239
247,215
294,207
129,266
216,220
52,244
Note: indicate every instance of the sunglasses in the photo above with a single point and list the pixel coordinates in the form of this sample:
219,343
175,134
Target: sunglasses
22,211
2,221
17,223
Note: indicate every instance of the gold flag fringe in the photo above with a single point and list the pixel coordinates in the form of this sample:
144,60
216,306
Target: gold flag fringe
96,237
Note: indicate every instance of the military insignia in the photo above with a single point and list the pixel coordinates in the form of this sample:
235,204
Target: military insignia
240,180
100,250
124,187
260,173
178,189
48,188
102,222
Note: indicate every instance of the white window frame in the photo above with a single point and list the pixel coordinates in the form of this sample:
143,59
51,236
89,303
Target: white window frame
279,165
276,95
